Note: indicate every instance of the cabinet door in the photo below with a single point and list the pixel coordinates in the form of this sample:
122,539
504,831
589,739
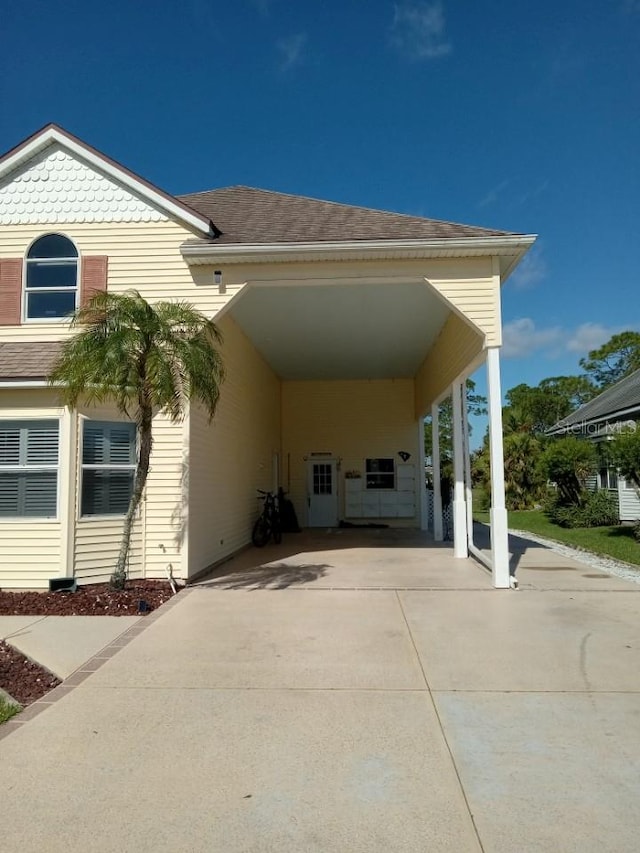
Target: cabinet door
406,478
388,504
353,485
353,508
370,505
406,509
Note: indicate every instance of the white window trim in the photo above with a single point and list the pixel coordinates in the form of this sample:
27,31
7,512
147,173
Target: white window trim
34,519
47,321
393,474
131,466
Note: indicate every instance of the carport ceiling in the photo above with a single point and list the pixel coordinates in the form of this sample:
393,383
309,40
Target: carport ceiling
341,331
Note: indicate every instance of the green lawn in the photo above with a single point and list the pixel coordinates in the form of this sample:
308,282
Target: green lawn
616,542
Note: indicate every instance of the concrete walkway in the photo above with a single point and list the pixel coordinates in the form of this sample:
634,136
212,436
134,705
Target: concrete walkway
62,643
361,692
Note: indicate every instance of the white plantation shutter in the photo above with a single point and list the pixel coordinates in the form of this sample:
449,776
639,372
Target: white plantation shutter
29,468
9,444
108,464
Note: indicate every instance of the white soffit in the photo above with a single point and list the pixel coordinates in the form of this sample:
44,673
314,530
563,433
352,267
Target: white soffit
355,331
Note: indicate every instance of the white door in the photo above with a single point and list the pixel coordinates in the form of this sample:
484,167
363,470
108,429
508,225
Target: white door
322,491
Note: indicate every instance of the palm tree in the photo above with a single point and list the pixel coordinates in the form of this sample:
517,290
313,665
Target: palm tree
146,359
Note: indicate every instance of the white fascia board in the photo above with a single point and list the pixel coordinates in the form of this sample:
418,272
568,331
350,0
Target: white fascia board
140,187
431,248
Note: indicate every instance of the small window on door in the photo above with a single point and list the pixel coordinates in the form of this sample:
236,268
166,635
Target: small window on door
380,473
322,481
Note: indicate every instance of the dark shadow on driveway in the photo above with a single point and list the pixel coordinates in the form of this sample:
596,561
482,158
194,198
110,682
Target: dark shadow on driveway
271,576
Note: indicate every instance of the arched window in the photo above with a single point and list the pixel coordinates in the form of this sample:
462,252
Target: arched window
51,284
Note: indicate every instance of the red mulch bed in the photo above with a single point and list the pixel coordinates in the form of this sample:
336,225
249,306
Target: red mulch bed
23,679
92,600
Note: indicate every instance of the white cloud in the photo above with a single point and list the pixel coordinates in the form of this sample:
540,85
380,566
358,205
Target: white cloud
291,50
529,195
418,30
521,338
492,196
590,336
530,270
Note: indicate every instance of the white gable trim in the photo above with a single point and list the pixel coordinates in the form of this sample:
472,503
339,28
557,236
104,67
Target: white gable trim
52,135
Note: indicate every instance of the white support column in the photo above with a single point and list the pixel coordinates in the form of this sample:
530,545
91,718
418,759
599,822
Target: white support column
438,533
499,524
460,548
468,491
422,481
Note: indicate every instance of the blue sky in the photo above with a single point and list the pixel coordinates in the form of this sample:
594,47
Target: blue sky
515,115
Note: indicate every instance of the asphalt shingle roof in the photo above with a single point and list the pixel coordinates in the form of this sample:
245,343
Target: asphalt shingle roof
620,397
27,360
247,215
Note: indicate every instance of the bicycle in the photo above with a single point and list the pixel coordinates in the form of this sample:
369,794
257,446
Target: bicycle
268,524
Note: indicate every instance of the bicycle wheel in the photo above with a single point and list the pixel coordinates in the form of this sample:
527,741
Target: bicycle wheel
276,531
261,532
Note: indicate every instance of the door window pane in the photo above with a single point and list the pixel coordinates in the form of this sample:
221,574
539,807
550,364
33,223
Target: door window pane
322,480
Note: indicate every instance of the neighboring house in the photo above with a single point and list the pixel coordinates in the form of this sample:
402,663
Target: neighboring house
616,409
343,327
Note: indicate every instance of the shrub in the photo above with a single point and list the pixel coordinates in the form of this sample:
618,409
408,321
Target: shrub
595,509
636,530
625,451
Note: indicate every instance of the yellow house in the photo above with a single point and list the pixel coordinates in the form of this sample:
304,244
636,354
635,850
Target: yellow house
343,328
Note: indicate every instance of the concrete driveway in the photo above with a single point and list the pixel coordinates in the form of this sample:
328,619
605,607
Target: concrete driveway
362,691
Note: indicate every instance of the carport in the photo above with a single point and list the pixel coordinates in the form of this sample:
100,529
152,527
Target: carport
354,331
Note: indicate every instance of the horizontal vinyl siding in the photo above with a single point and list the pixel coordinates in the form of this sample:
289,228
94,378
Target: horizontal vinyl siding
97,544
30,554
454,349
353,420
629,502
143,256
165,514
30,550
479,301
232,456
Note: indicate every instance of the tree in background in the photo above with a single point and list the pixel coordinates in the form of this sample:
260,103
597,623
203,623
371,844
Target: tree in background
476,405
568,462
146,359
535,409
524,484
625,454
614,360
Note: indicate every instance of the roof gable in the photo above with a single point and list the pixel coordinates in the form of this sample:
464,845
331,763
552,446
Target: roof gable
54,177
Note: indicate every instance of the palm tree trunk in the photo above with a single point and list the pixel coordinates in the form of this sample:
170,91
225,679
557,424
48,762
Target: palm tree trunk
139,482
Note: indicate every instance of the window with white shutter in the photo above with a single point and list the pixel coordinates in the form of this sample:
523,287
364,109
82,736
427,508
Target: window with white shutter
108,466
29,454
